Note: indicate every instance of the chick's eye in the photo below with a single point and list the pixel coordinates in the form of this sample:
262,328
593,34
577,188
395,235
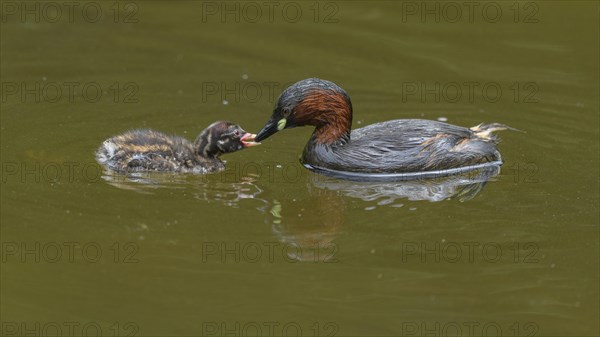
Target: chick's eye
237,133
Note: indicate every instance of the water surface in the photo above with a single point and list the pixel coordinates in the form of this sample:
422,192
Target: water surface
267,244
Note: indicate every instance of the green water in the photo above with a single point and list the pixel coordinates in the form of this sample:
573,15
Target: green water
266,248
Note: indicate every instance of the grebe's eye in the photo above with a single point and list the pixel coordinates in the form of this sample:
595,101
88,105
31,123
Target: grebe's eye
237,133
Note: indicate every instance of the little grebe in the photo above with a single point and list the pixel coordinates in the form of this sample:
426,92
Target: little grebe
396,147
149,150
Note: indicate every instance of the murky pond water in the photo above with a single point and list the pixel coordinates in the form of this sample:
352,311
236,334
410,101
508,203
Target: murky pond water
266,247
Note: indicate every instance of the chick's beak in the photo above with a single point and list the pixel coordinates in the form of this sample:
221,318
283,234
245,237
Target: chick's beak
248,139
269,129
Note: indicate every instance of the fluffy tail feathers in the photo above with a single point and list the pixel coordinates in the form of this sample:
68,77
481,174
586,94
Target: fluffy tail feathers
485,130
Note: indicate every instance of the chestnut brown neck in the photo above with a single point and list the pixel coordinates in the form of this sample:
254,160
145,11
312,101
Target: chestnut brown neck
331,114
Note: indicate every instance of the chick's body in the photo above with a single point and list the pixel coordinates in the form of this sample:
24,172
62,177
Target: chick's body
151,150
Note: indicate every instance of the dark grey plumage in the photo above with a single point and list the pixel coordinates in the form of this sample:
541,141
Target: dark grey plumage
391,147
402,146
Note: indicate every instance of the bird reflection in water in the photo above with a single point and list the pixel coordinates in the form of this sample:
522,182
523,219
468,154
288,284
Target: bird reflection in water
308,225
312,224
307,218
210,188
462,186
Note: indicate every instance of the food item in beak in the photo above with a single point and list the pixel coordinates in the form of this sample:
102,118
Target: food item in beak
248,139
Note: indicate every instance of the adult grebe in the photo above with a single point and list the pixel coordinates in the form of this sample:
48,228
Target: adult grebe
411,147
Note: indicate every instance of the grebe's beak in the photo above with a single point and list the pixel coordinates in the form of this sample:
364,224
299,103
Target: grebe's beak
269,129
248,139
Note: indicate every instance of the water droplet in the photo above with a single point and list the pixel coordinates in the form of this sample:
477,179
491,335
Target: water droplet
442,119
225,102
244,76
385,202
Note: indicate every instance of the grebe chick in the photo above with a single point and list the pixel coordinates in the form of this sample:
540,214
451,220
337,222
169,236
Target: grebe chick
150,150
396,147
